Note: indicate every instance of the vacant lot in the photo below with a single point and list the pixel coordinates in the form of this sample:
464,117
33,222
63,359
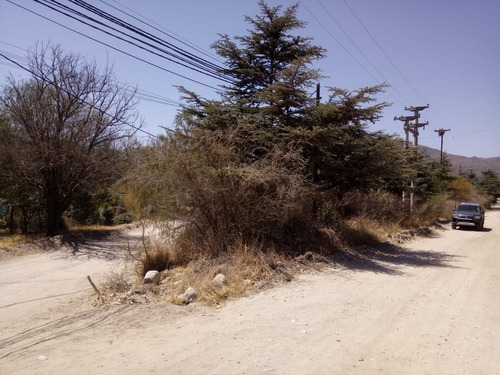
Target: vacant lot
429,307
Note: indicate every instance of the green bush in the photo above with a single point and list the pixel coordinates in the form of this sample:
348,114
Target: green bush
124,218
3,223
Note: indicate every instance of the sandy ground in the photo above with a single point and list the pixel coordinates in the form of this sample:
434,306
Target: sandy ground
429,307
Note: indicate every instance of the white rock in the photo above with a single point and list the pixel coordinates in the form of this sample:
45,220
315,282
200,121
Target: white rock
188,296
219,280
151,277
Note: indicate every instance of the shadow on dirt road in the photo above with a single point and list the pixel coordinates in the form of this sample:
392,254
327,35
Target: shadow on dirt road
104,246
389,258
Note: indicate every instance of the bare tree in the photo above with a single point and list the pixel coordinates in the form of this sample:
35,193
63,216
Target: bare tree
66,122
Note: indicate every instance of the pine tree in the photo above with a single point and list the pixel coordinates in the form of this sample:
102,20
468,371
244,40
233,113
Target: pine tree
269,54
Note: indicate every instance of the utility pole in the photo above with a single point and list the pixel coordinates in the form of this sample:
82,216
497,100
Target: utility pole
441,134
416,125
406,127
318,93
412,128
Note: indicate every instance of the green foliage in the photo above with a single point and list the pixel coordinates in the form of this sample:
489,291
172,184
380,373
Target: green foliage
490,183
341,154
433,178
84,208
124,218
269,54
3,223
267,164
108,212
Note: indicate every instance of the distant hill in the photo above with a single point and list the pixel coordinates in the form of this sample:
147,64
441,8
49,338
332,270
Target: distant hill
464,163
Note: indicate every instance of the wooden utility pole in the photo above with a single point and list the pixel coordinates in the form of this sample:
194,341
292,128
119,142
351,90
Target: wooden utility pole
410,127
416,125
406,127
318,93
441,134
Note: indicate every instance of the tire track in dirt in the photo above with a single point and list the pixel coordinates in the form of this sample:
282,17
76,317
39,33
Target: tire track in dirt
57,328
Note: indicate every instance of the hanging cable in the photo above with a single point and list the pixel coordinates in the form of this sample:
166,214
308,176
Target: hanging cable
141,94
383,52
361,52
162,30
115,48
62,9
186,56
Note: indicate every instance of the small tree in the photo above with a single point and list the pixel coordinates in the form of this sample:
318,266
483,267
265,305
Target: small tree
64,126
490,183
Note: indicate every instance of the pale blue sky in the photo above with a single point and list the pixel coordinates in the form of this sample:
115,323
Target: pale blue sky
439,52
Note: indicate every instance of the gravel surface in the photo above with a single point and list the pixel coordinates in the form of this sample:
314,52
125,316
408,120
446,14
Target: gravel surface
430,306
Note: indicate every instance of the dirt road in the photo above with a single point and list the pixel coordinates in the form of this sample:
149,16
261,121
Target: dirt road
432,307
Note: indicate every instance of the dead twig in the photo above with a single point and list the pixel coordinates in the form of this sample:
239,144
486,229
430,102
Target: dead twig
98,292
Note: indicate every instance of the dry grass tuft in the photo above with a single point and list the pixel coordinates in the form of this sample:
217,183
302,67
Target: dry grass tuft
366,231
10,240
89,228
246,268
116,282
159,253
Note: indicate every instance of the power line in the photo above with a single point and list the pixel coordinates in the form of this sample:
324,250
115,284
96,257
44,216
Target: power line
179,58
338,42
186,56
390,60
115,48
359,50
383,51
141,94
349,53
11,45
168,32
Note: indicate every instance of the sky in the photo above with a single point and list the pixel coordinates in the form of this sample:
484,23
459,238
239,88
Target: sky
442,53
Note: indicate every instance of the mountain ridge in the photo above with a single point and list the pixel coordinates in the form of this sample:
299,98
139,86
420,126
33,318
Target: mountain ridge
465,164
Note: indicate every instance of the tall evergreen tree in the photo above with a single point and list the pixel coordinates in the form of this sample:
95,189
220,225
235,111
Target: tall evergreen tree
270,54
271,99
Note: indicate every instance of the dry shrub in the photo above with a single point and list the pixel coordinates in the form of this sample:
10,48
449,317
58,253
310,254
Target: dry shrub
116,281
369,217
155,258
245,267
225,194
158,253
379,205
365,231
438,208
